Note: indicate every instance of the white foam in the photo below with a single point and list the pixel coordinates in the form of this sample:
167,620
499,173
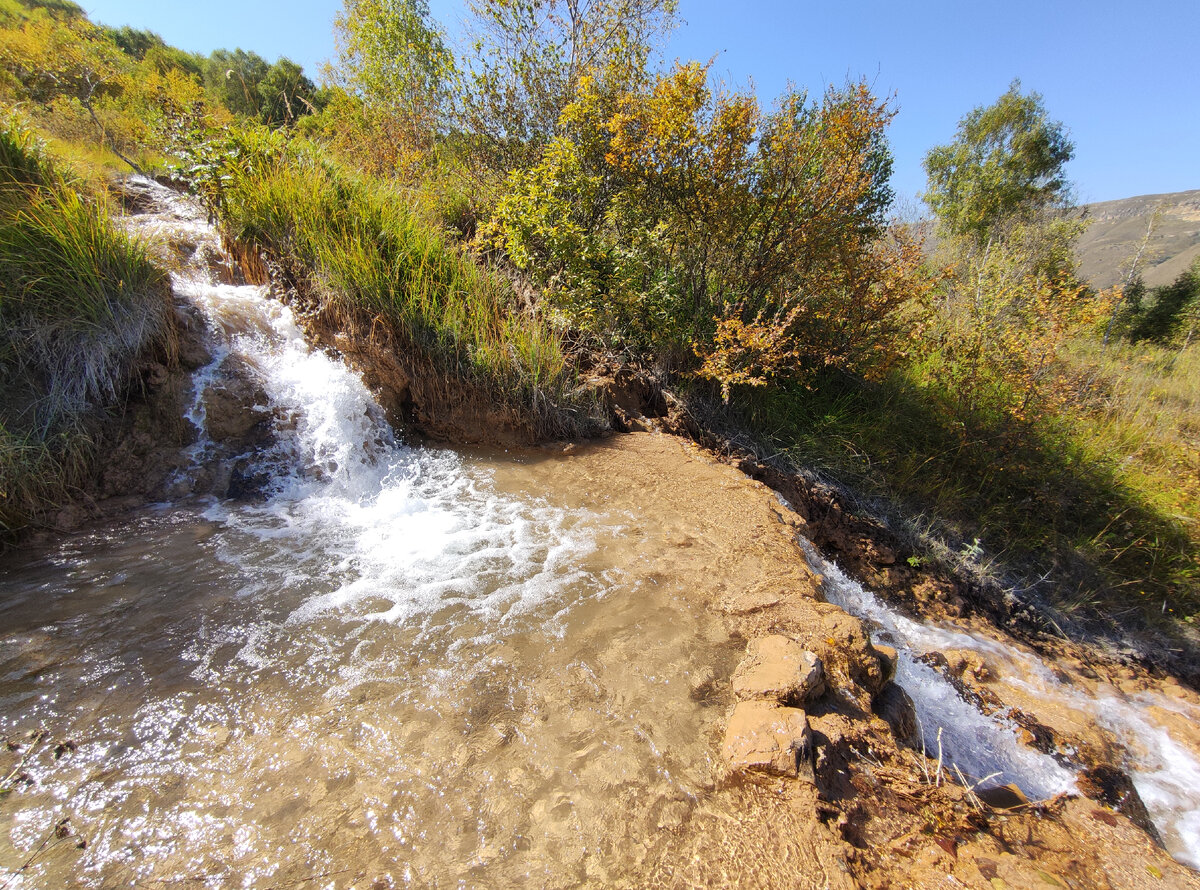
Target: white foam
984,747
1165,773
378,530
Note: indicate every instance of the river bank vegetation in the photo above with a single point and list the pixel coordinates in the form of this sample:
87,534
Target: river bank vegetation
80,305
550,192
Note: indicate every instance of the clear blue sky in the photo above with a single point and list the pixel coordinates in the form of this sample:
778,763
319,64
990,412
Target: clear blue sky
1122,76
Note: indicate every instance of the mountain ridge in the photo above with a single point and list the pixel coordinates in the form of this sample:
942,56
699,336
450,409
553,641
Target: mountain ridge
1118,229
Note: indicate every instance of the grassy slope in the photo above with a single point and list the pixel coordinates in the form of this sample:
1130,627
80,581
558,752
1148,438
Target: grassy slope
1099,502
80,303
359,244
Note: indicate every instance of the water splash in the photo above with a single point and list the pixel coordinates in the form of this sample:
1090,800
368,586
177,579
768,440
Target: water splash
985,748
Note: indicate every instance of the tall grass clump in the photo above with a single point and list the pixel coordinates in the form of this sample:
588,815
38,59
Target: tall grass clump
361,247
80,304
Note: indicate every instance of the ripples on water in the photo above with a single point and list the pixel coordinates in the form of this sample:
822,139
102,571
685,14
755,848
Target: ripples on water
385,662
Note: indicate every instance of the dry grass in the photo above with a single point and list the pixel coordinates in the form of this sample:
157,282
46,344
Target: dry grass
80,304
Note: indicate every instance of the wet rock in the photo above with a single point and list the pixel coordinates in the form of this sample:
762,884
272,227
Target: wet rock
845,648
779,669
247,481
1114,787
896,708
193,350
887,661
235,405
967,665
1003,797
767,738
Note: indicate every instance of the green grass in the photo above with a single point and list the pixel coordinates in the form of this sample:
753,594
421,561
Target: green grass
1066,506
80,304
363,246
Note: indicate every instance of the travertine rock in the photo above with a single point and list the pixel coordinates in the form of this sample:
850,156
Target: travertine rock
887,661
765,737
777,668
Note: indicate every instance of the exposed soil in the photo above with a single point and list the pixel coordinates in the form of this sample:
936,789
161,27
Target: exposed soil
872,811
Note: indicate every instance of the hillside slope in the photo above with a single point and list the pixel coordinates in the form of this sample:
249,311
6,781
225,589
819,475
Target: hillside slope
1118,228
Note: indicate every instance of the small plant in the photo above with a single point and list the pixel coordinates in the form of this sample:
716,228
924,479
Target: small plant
971,552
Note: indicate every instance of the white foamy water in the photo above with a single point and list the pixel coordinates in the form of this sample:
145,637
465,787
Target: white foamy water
984,747
1165,772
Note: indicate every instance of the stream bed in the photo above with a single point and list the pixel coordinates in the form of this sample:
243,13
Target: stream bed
398,665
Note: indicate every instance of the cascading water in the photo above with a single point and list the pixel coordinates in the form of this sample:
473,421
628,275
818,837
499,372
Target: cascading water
1165,772
393,665
985,749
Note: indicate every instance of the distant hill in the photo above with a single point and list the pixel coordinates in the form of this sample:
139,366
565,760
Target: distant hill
1118,227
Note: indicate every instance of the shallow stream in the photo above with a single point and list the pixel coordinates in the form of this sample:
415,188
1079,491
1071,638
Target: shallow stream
393,665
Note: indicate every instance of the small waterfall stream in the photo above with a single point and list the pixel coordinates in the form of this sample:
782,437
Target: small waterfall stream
1165,772
441,668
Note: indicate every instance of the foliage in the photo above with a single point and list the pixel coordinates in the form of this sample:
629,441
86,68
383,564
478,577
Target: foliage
243,82
1008,159
81,87
285,94
127,92
51,58
391,54
21,10
1163,314
361,244
80,304
1096,501
146,46
529,57
1005,315
233,78
684,218
392,80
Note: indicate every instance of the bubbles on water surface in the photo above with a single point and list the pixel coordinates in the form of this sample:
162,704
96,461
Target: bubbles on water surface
381,660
